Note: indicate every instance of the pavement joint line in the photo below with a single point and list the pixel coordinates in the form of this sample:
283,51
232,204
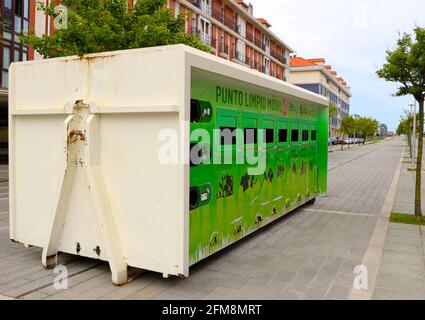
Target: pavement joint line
356,158
344,213
48,285
422,242
373,255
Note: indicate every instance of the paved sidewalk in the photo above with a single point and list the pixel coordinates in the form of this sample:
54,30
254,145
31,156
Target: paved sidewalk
402,270
307,255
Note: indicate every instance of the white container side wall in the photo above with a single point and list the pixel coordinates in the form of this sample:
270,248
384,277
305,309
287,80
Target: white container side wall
132,97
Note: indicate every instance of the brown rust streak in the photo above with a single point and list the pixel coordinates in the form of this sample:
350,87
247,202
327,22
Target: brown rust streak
76,135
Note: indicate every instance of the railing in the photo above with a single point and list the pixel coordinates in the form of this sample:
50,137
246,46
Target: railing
247,60
224,48
217,14
278,56
230,23
249,36
214,43
258,42
256,65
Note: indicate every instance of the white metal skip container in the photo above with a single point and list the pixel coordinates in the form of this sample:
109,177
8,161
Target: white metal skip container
85,178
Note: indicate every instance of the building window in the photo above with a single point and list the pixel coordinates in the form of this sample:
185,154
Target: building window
15,15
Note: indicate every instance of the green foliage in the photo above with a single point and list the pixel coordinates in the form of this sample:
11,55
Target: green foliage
333,110
109,25
366,127
407,219
406,125
406,65
347,125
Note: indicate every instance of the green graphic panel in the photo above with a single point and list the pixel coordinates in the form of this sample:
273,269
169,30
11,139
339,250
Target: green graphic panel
227,202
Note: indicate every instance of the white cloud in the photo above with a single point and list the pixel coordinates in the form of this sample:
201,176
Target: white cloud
352,35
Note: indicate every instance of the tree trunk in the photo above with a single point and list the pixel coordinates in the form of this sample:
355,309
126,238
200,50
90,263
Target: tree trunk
418,206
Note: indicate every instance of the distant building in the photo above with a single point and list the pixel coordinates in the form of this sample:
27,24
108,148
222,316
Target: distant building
383,130
316,76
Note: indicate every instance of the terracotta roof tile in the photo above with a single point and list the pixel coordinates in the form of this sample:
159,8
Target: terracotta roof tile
264,21
301,62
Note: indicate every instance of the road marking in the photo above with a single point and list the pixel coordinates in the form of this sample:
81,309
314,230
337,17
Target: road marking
6,298
373,256
344,213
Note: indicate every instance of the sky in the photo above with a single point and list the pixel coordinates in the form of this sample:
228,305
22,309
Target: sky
352,35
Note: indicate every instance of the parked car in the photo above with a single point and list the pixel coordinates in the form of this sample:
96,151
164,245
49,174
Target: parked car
332,141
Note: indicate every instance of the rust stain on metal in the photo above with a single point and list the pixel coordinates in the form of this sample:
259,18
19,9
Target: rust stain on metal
76,135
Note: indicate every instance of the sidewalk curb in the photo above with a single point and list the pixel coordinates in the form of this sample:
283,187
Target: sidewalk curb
374,252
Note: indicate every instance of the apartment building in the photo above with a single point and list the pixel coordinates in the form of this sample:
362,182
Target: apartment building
233,33
16,16
227,26
316,76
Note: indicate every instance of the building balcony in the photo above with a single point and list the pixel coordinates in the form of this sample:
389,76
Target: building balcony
258,42
217,14
224,50
214,43
256,65
247,61
230,23
249,36
278,56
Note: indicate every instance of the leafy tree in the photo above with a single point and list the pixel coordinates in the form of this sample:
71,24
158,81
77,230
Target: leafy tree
347,126
405,65
333,112
405,125
108,25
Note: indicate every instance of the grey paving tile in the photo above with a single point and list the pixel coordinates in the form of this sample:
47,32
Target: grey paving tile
338,292
314,294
